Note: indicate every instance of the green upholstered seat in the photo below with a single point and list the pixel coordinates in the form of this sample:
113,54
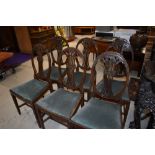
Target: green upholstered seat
55,73
31,89
87,82
78,77
98,114
60,102
116,87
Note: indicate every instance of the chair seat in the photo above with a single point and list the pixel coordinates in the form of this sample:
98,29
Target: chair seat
98,114
60,102
30,90
87,82
116,87
55,73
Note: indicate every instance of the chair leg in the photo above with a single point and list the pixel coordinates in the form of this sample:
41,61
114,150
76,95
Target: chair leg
36,115
16,104
40,118
88,95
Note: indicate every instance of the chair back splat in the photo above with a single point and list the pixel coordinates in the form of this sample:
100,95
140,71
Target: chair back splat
71,59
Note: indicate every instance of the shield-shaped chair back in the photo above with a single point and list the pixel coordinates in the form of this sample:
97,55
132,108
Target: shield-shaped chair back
40,62
104,74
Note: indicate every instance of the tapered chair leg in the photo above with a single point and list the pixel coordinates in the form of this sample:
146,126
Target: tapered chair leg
16,104
36,115
40,118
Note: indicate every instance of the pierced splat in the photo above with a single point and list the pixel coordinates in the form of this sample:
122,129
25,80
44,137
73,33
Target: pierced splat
72,55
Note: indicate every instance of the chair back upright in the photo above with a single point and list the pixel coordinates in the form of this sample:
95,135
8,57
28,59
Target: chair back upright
41,60
70,58
105,69
87,46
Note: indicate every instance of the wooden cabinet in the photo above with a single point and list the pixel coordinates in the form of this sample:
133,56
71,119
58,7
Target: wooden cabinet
40,34
28,36
102,44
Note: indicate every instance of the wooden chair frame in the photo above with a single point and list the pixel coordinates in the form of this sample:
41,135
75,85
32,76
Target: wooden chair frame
40,51
56,43
71,61
112,59
89,46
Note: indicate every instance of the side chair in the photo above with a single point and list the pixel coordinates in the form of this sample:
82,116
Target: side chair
105,109
55,45
31,91
63,103
88,48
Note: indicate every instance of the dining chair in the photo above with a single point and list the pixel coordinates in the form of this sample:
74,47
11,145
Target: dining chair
88,48
123,47
106,108
62,104
32,90
55,45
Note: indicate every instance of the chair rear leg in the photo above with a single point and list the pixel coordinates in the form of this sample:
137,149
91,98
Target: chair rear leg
16,103
40,118
36,115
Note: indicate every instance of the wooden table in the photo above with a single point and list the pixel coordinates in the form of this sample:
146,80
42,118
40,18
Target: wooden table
102,43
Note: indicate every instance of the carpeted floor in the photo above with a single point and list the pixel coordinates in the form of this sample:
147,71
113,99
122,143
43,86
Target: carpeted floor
17,59
10,64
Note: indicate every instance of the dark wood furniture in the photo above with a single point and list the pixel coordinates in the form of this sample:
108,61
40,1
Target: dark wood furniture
62,104
83,29
102,43
88,47
39,34
138,41
106,108
56,45
8,41
31,91
123,47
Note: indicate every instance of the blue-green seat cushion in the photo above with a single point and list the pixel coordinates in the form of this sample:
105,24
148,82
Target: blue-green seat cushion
78,78
60,102
31,89
98,114
55,73
116,87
